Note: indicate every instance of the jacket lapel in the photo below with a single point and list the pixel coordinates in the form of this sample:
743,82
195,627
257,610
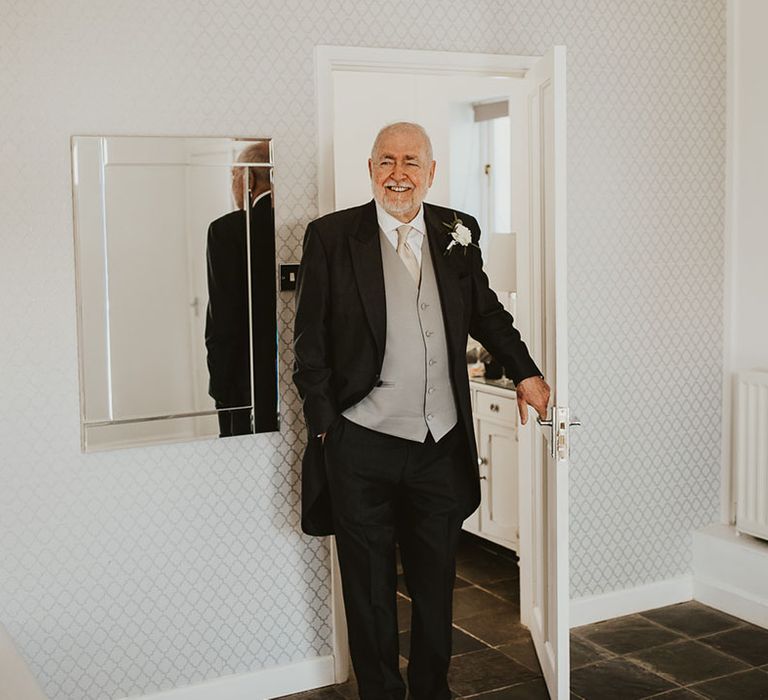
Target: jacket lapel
369,272
447,279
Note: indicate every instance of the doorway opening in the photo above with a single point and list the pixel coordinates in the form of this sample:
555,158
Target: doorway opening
477,110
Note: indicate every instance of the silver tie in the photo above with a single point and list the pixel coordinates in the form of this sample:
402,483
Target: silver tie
406,254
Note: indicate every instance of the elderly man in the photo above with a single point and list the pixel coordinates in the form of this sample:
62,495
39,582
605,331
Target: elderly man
387,295
234,355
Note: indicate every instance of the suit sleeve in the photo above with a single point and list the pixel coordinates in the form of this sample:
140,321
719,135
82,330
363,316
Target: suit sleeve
311,343
492,325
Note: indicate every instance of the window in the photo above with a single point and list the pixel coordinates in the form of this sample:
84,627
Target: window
493,123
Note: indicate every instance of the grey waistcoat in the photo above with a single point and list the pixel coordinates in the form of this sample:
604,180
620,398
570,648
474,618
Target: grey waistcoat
415,394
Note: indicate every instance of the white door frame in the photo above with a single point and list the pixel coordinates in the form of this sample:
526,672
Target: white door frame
353,58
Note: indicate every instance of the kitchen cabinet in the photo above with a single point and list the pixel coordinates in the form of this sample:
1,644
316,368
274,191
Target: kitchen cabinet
494,409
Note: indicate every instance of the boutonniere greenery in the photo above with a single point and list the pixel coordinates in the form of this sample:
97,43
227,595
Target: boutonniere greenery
460,235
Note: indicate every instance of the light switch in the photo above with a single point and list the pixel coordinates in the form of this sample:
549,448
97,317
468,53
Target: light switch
288,275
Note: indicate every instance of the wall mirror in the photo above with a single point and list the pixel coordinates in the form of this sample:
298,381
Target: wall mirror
176,288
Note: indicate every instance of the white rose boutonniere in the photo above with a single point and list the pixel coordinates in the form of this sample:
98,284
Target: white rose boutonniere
460,235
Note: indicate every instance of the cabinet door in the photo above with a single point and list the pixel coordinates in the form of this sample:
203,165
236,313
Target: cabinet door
498,453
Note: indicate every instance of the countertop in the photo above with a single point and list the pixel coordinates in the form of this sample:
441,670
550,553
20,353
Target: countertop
505,384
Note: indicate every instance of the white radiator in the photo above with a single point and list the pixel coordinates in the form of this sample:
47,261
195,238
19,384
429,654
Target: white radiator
751,453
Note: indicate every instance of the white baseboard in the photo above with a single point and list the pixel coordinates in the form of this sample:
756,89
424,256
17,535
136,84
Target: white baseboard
730,572
733,601
604,606
258,685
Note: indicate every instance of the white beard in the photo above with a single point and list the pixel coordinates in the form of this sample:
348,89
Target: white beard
394,207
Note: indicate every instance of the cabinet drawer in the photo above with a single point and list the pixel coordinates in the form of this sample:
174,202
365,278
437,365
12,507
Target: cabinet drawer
500,408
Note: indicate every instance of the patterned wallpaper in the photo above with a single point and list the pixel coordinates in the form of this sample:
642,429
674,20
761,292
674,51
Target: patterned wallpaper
132,571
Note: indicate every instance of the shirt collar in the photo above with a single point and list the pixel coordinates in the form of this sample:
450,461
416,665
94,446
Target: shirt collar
261,196
387,222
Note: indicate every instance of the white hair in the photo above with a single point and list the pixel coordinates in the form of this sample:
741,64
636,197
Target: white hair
402,126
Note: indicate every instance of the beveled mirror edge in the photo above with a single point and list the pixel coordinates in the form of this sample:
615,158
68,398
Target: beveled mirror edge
77,254
78,289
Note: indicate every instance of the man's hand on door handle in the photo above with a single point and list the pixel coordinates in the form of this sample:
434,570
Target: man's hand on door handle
532,391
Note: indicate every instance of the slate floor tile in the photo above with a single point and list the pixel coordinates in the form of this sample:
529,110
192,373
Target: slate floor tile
494,629
508,588
678,694
349,689
659,653
748,643
486,547
617,679
403,614
747,685
474,601
584,652
522,651
535,689
467,546
490,550
622,635
461,643
485,670
486,569
687,661
402,588
692,618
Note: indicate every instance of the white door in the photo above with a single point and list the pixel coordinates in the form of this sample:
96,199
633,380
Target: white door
544,470
208,198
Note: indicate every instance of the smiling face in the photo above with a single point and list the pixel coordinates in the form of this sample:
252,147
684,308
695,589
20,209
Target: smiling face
401,170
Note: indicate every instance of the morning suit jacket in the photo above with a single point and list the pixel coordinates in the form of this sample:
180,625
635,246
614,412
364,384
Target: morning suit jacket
340,328
227,331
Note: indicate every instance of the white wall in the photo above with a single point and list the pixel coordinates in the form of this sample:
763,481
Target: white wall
436,102
748,245
137,570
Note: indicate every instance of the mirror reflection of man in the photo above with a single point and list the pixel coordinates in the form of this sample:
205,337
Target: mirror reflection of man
387,296
227,327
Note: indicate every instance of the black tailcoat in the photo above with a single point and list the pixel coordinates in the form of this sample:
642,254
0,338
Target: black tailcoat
227,329
340,331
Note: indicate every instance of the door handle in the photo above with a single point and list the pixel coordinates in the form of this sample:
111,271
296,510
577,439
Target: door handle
559,439
547,423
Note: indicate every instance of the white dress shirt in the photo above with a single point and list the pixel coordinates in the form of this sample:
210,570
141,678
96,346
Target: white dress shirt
388,224
261,196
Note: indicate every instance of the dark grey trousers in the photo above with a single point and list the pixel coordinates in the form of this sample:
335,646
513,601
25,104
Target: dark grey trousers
387,490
